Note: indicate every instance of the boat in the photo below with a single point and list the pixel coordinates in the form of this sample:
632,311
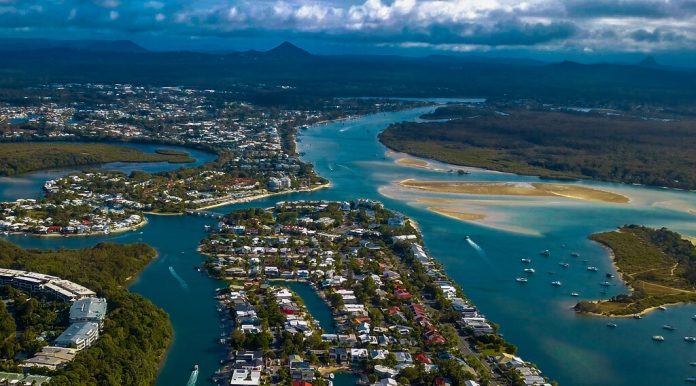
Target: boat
575,254
529,270
690,339
692,364
331,376
609,275
611,325
693,317
662,308
658,338
521,279
605,284
195,367
592,269
556,283
564,265
574,294
690,380
668,327
636,316
526,261
545,252
467,238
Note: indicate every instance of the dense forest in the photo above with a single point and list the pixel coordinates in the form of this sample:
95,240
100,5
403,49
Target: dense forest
658,264
590,145
18,158
136,333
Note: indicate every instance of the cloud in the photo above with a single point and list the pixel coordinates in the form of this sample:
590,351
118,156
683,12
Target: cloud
583,25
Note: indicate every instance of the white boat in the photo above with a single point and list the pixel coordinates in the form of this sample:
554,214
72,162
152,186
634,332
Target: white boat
690,380
331,376
605,284
611,325
521,280
575,254
692,364
668,327
467,238
526,261
529,270
690,339
564,265
556,283
658,338
693,317
636,316
545,252
662,308
574,294
592,269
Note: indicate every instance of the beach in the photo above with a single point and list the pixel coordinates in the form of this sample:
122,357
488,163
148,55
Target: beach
517,189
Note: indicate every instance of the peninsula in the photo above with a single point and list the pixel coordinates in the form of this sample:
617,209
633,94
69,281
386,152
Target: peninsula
635,145
395,313
657,264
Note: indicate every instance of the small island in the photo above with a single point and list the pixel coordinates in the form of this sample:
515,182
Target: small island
657,264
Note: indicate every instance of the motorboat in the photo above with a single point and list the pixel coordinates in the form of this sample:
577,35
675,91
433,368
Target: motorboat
690,339
658,338
574,254
574,294
526,261
521,280
611,325
605,284
564,265
545,252
556,283
668,327
592,269
529,270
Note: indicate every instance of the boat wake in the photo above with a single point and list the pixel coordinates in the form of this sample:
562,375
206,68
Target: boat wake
476,247
178,278
193,378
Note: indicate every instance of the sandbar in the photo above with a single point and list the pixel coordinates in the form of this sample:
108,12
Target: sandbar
517,189
464,216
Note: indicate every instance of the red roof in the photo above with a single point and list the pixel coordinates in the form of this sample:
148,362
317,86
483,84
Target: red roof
420,358
301,383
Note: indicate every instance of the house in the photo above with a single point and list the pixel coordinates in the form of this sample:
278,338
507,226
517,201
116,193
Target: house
358,354
248,360
79,335
339,354
242,377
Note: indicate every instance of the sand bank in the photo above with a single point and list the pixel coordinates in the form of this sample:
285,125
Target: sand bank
517,189
464,216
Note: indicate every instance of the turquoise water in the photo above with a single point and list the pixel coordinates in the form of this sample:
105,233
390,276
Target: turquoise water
575,350
30,185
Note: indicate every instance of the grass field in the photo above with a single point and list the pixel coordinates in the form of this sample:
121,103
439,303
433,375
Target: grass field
19,158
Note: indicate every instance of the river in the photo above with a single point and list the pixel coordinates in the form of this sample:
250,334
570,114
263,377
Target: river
575,350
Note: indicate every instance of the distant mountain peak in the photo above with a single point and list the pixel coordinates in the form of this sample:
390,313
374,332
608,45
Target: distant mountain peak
649,61
287,49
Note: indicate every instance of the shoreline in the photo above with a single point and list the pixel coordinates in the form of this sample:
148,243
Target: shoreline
115,231
263,195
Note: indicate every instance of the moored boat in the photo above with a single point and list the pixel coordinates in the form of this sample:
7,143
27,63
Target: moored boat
690,339
564,265
574,294
668,327
611,325
529,270
545,252
592,269
526,261
658,338
521,280
556,283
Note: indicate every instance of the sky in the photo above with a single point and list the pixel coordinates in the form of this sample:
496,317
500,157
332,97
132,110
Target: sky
592,28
